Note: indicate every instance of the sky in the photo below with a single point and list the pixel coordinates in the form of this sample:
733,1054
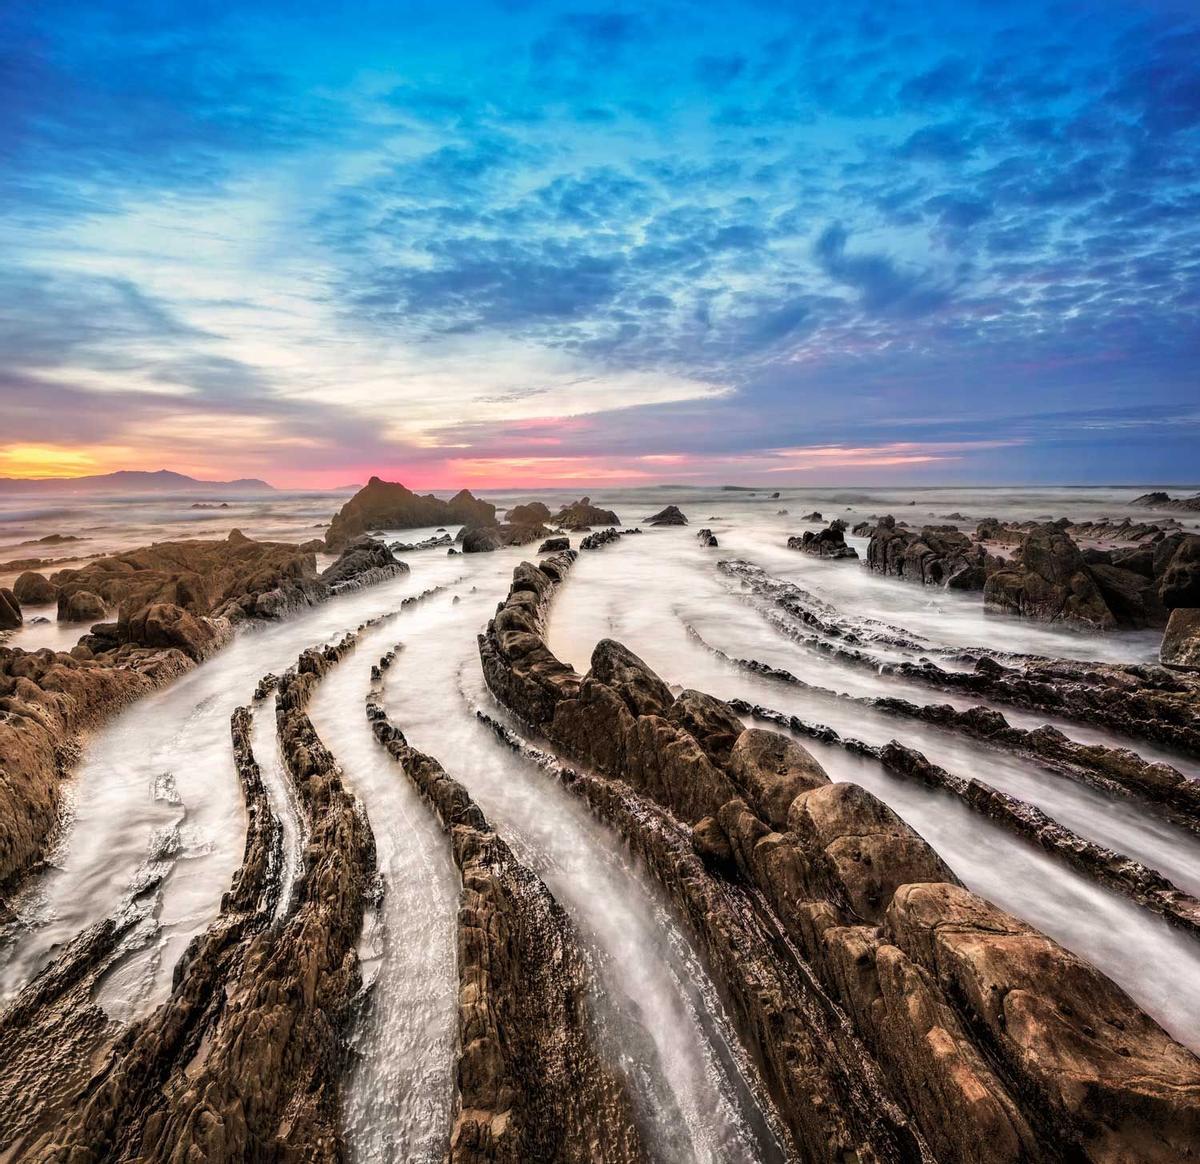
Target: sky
506,244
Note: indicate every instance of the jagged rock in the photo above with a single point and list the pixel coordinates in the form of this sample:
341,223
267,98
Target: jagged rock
672,515
80,606
430,543
706,537
1181,640
554,545
1160,500
829,543
938,555
363,562
814,516
711,844
10,610
862,530
390,505
34,589
582,514
642,691
533,513
1049,581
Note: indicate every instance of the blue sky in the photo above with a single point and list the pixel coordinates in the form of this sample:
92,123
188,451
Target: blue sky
485,243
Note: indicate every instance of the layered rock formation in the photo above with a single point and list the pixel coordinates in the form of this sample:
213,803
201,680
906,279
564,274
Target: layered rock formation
10,610
530,1083
987,1040
243,1062
389,505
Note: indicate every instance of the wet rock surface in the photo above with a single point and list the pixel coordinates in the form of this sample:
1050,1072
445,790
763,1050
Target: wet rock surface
530,1083
1181,641
671,515
959,1007
1160,500
389,505
936,556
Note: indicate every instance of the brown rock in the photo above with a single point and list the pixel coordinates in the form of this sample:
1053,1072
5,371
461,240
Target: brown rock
81,606
771,770
34,589
1181,640
10,610
389,505
618,667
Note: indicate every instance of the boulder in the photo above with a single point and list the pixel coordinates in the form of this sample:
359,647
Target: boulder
706,537
554,545
1181,640
481,540
10,610
771,770
829,543
81,606
672,515
35,589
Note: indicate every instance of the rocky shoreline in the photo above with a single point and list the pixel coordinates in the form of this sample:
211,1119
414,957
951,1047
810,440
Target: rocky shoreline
964,1009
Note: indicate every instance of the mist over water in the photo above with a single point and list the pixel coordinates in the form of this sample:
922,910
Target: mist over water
155,796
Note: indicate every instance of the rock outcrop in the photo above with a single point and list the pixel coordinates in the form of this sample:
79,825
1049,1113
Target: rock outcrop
10,610
532,513
1160,500
582,515
982,1031
672,515
554,545
389,505
1049,581
828,543
706,537
530,1082
936,556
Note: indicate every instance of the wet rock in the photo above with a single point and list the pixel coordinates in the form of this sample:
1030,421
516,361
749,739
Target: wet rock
165,625
81,606
554,545
828,543
10,610
34,589
672,515
1049,581
362,563
431,543
706,537
937,556
1181,640
582,514
641,690
711,844
814,516
595,541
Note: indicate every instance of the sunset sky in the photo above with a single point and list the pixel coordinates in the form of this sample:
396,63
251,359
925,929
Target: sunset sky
517,243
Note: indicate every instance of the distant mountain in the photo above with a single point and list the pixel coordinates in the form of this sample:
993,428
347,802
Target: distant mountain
130,481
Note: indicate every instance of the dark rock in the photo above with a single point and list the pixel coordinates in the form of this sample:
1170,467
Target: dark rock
1180,585
554,545
938,555
362,563
1159,500
481,540
582,514
10,610
814,516
1049,581
1181,640
391,506
829,543
672,515
35,589
706,537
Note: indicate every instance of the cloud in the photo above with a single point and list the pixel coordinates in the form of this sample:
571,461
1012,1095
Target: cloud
884,287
